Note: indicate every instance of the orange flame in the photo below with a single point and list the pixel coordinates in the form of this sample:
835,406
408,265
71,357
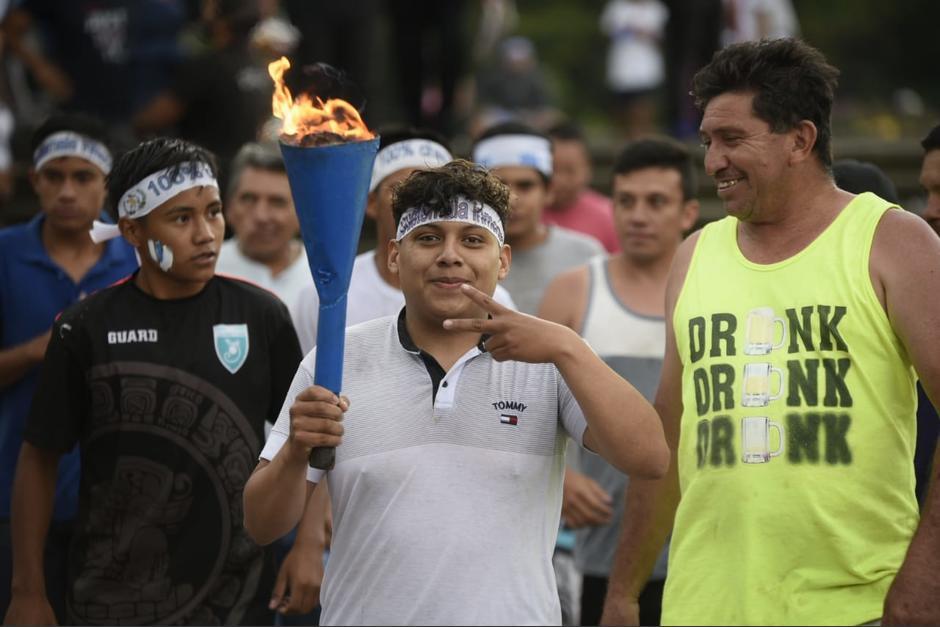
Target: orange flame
303,117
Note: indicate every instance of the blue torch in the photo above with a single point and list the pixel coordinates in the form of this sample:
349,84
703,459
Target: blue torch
329,184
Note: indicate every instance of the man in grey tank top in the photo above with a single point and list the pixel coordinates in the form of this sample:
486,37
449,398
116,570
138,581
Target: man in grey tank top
616,304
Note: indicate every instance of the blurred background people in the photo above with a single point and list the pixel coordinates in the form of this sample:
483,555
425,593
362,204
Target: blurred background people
930,177
927,453
103,58
221,97
46,265
617,304
753,20
693,34
521,158
575,204
635,63
430,52
266,248
513,88
857,176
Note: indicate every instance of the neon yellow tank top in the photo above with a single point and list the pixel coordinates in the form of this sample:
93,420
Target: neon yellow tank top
797,434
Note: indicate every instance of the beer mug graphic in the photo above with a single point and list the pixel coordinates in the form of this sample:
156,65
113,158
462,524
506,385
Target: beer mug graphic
755,439
756,389
760,330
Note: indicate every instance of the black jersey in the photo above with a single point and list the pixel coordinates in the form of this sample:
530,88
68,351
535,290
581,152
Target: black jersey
167,400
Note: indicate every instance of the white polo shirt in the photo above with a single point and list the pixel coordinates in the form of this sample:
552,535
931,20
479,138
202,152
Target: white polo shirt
287,285
445,511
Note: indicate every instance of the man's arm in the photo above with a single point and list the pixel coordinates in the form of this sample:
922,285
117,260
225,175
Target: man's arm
297,588
650,508
275,494
622,426
50,76
584,502
566,298
16,361
651,505
905,270
33,496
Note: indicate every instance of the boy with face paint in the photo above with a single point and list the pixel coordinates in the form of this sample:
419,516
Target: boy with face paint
165,382
46,265
446,490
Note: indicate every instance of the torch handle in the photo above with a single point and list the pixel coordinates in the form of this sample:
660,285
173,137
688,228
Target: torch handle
331,339
322,457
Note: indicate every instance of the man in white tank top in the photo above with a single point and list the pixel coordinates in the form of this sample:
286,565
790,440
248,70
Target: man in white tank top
616,303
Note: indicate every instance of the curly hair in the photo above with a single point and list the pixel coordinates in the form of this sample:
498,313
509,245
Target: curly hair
791,81
438,187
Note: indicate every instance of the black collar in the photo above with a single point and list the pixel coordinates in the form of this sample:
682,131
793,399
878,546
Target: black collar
409,345
435,370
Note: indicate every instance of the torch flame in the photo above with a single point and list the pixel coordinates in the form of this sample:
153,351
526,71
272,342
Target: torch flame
302,117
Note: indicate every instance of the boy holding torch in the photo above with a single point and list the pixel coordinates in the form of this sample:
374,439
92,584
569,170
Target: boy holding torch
451,431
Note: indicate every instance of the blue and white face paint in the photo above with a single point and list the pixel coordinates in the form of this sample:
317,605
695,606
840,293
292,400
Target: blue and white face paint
161,253
460,210
153,191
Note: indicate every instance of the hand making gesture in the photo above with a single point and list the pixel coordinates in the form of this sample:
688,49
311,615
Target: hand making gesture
514,335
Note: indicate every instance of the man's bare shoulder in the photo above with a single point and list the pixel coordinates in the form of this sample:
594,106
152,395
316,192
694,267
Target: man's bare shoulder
904,242
566,297
574,278
680,264
905,249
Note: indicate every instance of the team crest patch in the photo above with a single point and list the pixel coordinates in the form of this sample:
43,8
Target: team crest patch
231,345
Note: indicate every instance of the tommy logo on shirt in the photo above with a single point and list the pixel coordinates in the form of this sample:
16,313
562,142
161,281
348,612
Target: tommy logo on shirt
514,406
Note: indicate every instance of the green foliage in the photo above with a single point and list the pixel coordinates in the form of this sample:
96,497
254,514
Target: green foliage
572,50
879,46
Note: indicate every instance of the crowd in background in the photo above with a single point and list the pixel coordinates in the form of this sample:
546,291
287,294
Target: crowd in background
197,70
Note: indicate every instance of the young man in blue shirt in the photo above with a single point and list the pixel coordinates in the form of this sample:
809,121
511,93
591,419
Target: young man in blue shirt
46,265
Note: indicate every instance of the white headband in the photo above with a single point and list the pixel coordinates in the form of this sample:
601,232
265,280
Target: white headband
410,153
70,144
526,150
155,190
461,210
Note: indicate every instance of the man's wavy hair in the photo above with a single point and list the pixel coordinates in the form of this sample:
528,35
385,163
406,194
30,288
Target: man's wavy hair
438,187
791,81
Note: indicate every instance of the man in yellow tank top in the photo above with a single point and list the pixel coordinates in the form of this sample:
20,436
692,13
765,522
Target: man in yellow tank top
796,329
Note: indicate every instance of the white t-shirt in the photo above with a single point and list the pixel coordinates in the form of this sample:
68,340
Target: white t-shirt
634,60
756,19
445,511
287,285
369,297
